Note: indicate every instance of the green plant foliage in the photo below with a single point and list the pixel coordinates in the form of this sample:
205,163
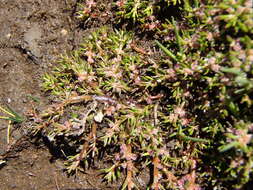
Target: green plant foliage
135,10
12,116
184,110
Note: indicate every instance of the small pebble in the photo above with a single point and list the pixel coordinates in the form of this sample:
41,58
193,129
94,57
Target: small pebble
64,32
8,36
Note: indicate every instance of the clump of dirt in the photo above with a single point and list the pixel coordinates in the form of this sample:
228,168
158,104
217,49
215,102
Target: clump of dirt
33,34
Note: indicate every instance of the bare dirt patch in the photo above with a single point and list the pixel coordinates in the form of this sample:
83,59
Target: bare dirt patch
33,34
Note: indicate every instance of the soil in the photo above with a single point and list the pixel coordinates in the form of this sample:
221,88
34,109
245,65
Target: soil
33,34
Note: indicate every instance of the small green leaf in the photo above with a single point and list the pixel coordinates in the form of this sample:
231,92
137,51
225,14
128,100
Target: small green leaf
229,146
242,81
166,51
232,70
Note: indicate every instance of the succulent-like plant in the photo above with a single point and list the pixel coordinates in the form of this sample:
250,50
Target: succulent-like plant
183,110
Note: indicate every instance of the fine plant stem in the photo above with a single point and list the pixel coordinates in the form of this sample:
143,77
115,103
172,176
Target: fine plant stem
8,132
166,51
